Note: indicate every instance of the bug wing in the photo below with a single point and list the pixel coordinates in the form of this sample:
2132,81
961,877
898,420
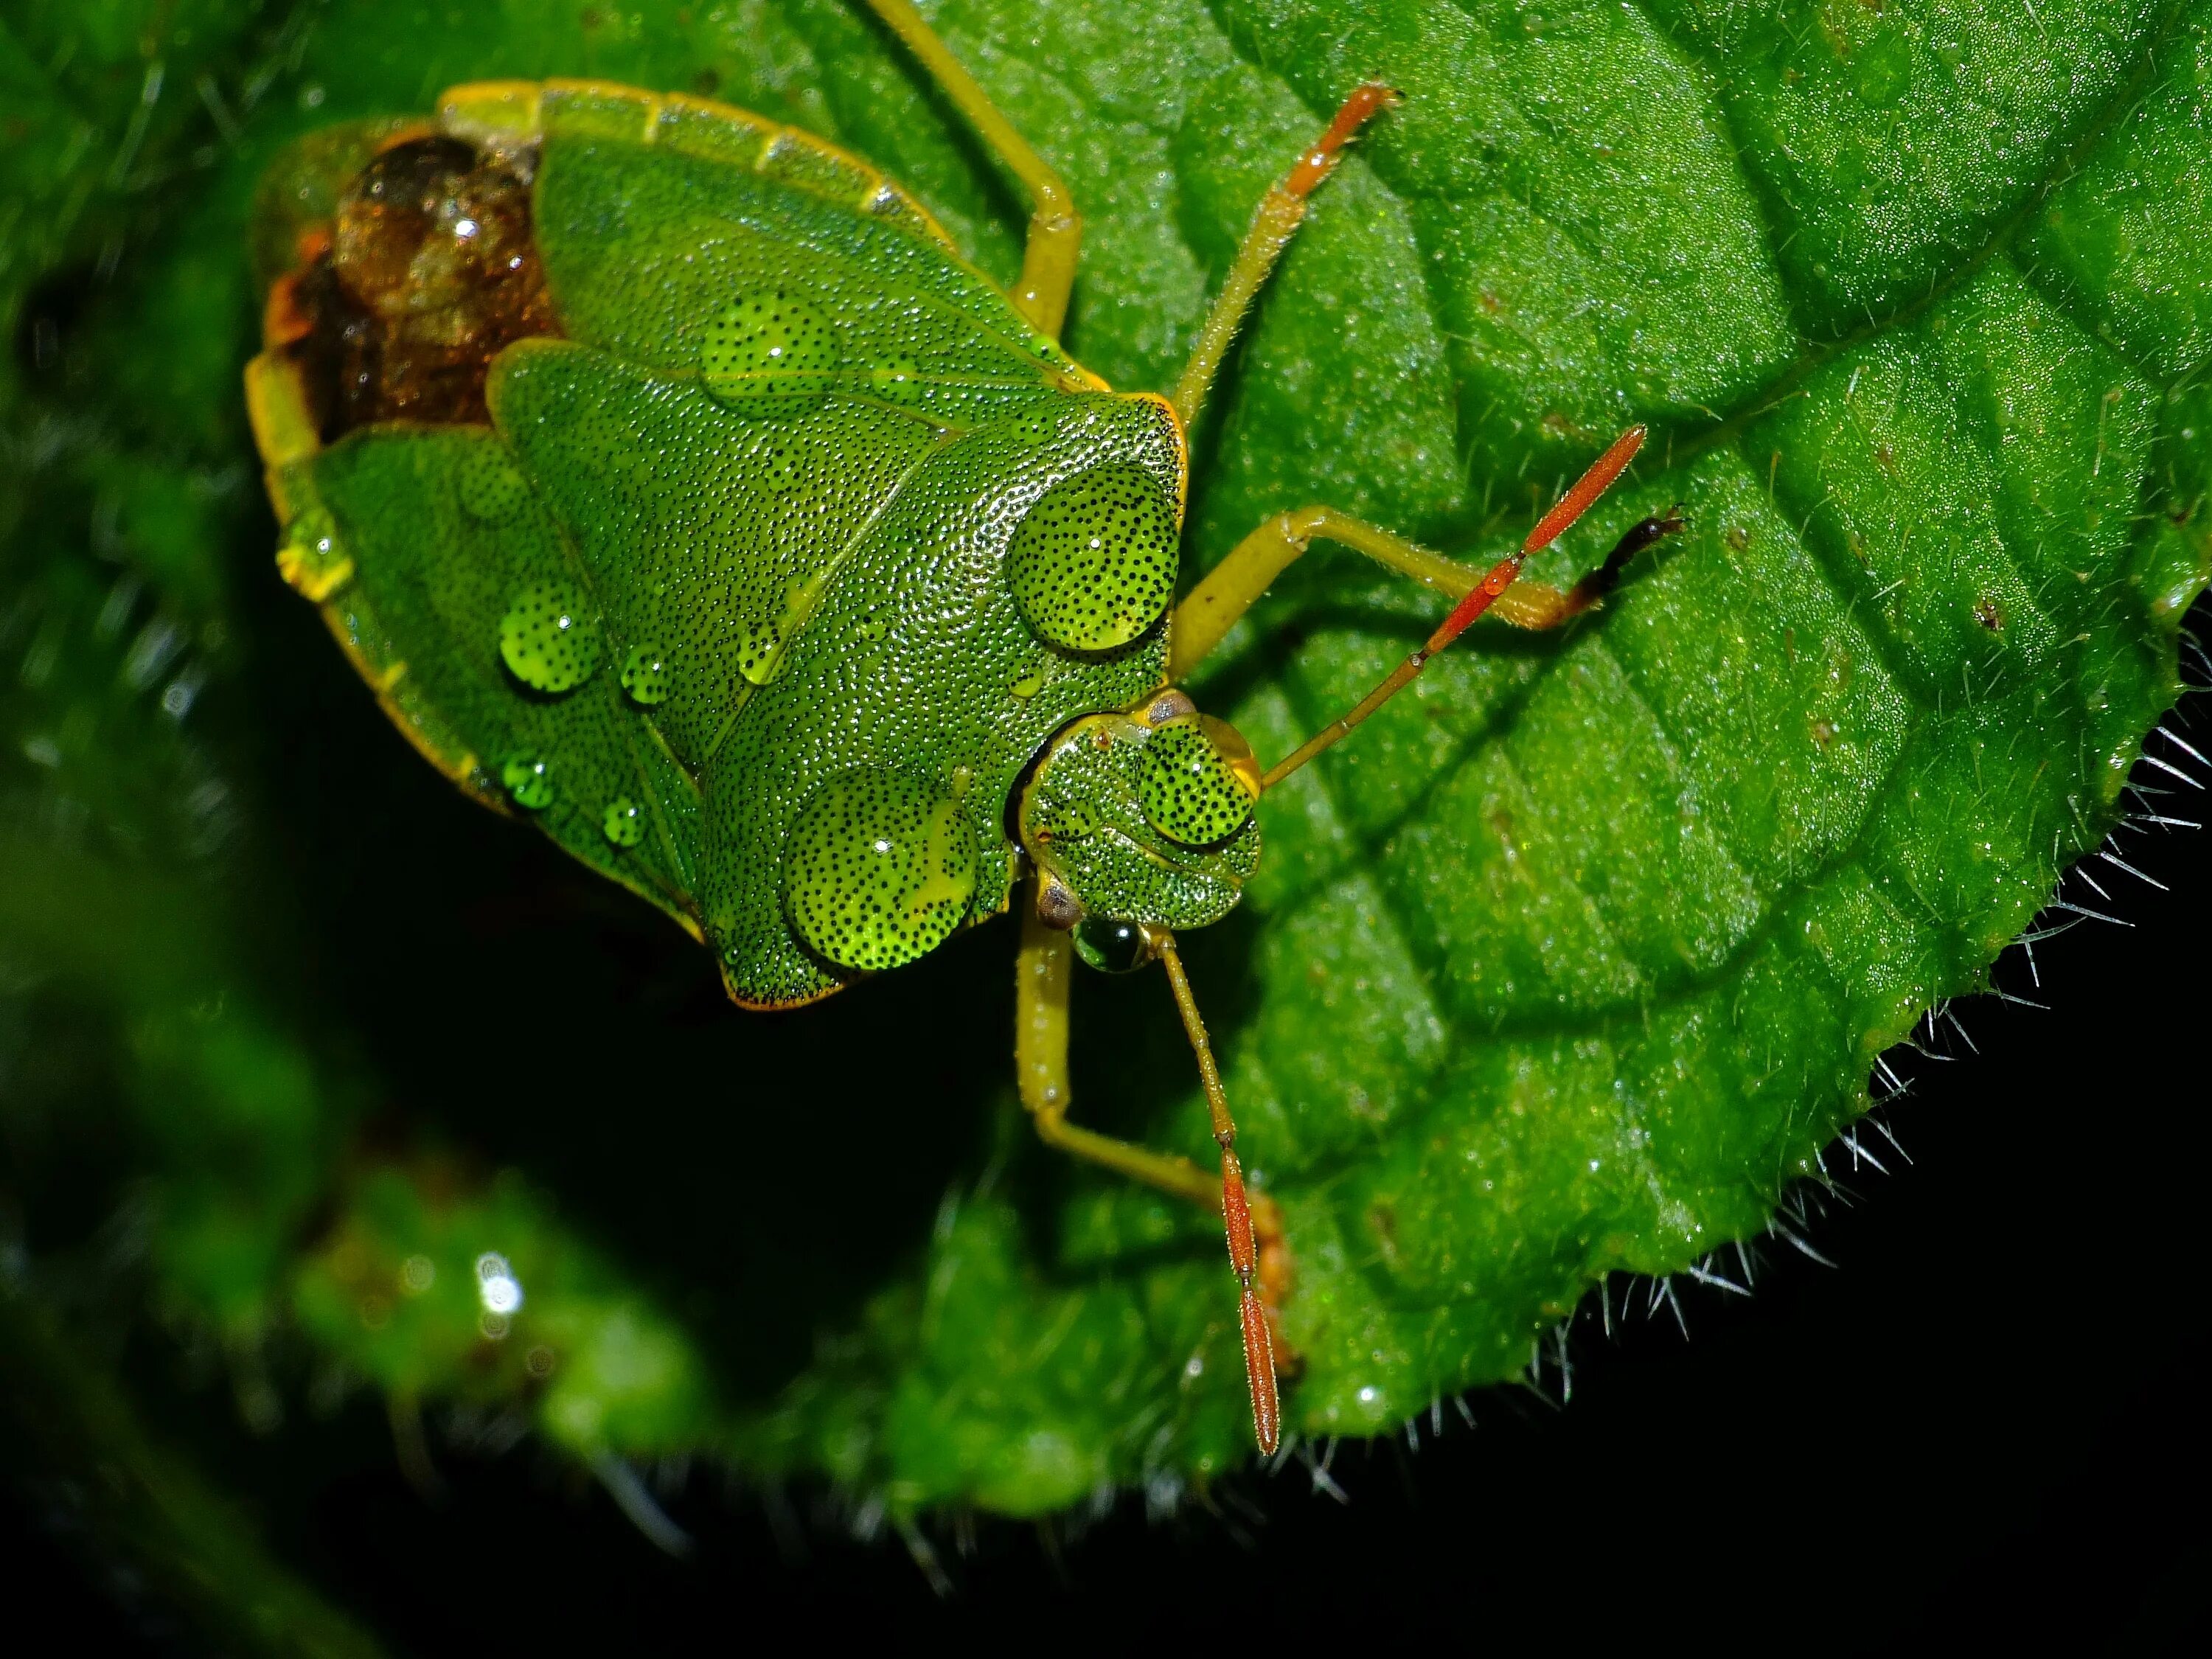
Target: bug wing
432,540
706,536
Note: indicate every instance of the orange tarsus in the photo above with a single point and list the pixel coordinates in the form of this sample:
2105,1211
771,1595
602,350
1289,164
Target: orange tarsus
1367,101
1235,1207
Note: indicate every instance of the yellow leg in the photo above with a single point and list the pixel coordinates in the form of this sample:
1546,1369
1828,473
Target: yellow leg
1055,227
1256,561
1041,976
1235,585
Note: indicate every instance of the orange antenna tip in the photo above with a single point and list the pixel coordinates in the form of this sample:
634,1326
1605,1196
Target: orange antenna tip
1586,488
1260,1371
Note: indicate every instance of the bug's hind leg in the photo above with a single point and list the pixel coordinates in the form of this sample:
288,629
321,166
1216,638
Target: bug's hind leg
1235,585
1055,227
1043,979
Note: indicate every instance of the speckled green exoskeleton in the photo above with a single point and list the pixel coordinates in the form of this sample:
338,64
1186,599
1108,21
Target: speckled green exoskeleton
680,489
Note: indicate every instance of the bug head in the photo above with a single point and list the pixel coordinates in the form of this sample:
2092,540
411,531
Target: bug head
1137,822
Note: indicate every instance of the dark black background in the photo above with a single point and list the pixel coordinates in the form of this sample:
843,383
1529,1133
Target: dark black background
1984,1425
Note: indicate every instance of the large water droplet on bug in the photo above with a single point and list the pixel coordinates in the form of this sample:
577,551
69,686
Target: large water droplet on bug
529,782
623,822
647,676
767,349
546,640
1093,563
878,870
491,489
758,644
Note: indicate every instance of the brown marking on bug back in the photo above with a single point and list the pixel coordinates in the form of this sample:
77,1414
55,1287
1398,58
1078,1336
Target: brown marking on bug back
428,272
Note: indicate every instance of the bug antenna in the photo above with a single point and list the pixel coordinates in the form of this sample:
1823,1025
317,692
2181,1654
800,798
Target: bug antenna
1554,525
1236,1208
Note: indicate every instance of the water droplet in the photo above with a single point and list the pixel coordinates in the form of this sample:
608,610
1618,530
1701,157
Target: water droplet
1112,947
647,676
623,822
311,558
879,869
1092,564
529,782
766,349
312,533
897,379
870,628
758,646
546,641
491,489
1027,687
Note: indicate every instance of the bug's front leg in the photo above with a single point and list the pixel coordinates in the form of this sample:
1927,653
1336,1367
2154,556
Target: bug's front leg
1055,228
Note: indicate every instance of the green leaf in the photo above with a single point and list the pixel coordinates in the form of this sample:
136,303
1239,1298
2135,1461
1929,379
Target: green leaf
1570,964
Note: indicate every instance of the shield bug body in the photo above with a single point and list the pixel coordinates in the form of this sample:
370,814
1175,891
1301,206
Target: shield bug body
677,486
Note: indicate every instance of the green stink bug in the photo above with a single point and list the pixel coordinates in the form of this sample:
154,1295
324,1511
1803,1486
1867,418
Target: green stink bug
677,485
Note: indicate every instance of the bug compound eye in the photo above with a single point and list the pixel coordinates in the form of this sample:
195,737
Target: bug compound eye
1198,783
1112,947
1093,564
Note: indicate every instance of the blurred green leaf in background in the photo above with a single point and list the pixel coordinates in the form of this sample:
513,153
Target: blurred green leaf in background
1569,966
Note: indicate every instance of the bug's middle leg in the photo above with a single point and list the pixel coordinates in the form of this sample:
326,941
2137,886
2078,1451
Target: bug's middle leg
1043,975
1235,585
